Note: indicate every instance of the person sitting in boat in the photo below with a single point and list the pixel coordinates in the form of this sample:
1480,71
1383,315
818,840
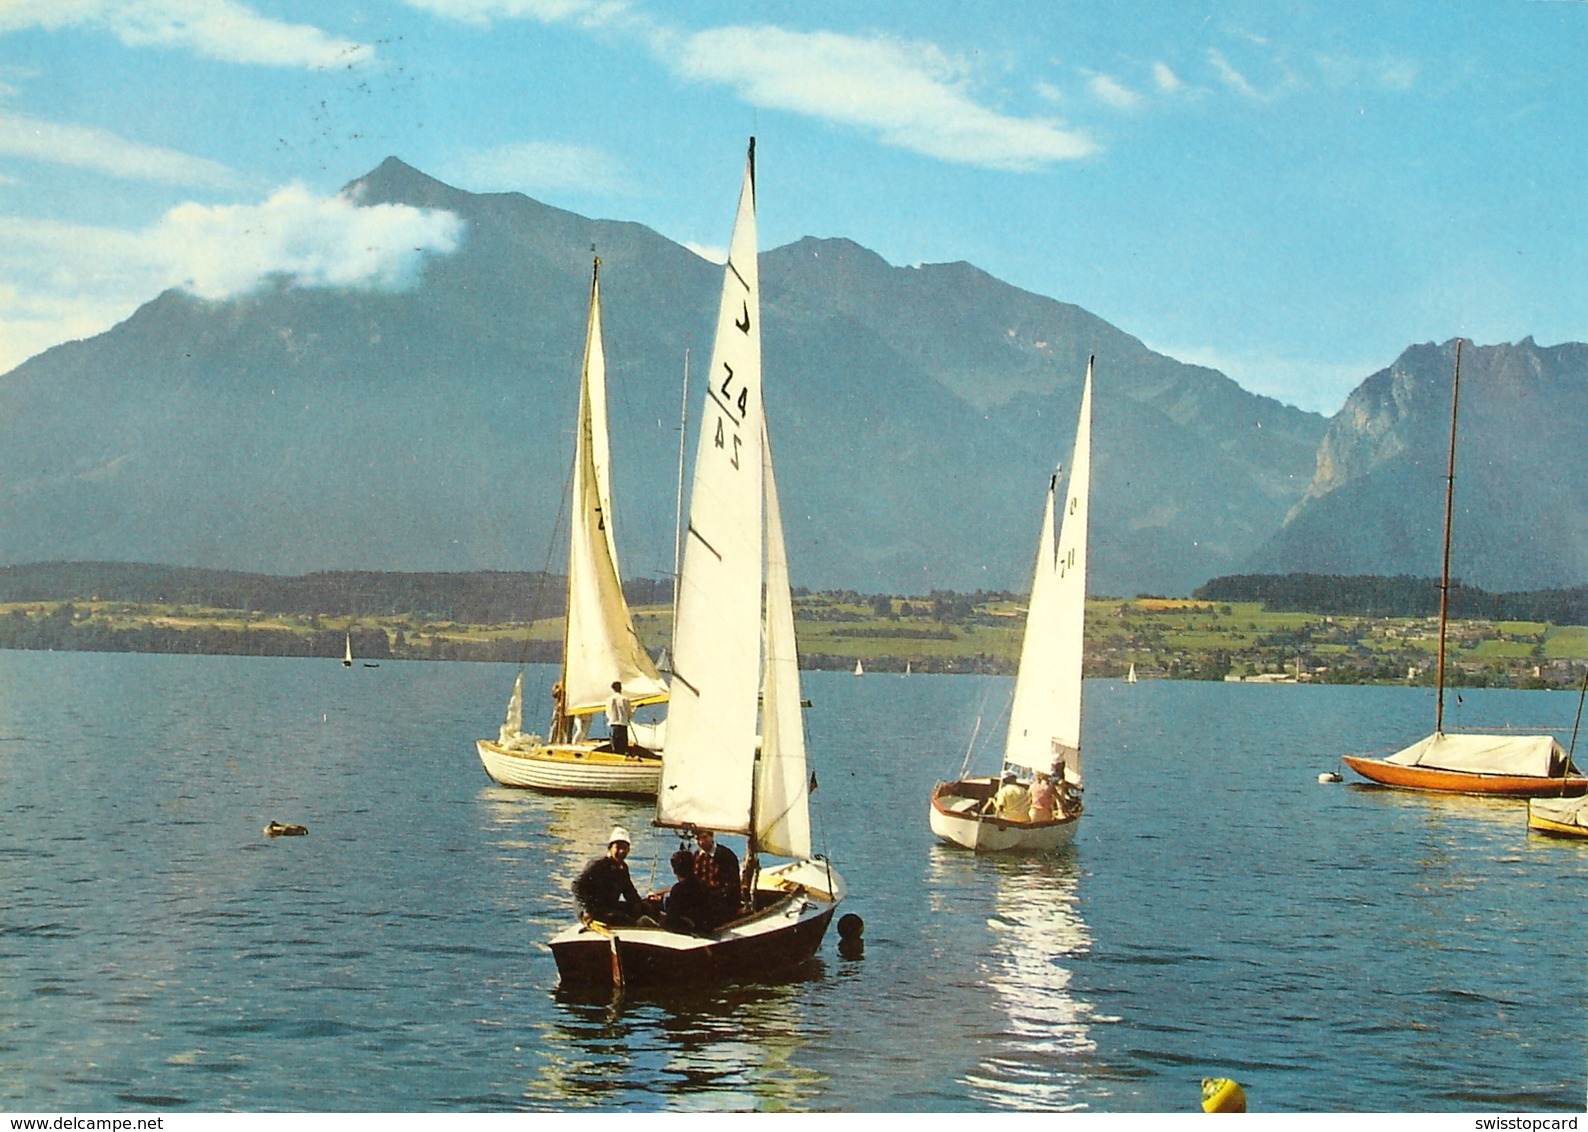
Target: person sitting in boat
1012,802
604,890
619,713
1043,798
717,869
687,907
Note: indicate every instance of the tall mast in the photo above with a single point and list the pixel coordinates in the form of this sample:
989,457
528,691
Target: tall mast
1444,582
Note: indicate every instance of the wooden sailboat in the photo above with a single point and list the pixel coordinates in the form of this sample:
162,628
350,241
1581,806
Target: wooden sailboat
1559,817
1506,765
599,642
733,647
1045,718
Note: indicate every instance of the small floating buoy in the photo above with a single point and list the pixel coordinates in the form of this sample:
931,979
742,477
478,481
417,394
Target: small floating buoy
1220,1094
851,930
285,829
1330,776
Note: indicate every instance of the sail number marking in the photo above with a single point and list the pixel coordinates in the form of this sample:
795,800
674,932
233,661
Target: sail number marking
734,401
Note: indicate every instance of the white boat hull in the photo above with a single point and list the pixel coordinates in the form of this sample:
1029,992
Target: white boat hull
955,817
572,769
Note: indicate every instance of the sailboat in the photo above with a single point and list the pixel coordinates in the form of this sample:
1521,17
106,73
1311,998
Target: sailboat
1130,677
600,645
860,669
1045,718
1520,766
347,652
733,647
1559,817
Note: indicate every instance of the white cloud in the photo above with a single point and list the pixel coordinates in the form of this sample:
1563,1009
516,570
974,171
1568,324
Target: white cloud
217,29
61,281
1165,79
589,12
711,253
1114,93
1229,75
537,167
913,95
84,147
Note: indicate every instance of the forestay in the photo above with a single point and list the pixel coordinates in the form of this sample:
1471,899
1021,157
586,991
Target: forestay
1045,718
708,773
600,645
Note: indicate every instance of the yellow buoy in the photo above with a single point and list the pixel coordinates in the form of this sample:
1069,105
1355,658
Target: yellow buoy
1220,1094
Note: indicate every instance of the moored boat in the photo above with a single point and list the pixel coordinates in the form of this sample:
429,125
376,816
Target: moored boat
1560,817
1518,766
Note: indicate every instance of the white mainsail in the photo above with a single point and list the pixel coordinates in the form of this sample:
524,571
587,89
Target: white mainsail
782,792
600,645
1045,718
707,776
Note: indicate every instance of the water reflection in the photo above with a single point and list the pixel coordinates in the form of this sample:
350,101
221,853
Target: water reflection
1035,932
733,1048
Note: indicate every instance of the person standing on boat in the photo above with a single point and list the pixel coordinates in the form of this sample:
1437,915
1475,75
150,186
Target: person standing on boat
619,713
717,869
604,890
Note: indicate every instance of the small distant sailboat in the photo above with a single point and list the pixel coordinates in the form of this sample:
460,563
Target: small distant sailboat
1519,766
347,652
733,648
860,669
1130,677
1045,718
599,642
906,668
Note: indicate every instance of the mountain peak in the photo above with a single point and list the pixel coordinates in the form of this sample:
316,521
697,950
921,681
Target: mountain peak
394,181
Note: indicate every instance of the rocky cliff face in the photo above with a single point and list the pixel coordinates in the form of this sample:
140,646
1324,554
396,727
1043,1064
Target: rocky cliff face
1376,502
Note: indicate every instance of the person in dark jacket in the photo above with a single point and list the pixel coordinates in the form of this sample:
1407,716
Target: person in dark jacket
604,890
687,907
717,869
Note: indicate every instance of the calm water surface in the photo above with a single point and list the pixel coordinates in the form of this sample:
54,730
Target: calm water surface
1332,947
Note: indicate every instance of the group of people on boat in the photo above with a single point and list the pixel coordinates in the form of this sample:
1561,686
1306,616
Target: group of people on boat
705,892
1048,796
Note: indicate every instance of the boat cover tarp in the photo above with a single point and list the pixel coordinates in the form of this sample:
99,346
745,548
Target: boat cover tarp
1565,811
1486,754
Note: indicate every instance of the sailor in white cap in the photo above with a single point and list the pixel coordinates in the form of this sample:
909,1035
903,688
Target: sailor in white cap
604,890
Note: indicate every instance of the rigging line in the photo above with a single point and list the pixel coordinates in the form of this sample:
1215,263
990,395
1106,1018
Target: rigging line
1578,723
1444,581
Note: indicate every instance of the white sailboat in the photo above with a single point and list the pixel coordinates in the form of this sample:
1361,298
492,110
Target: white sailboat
1130,677
347,652
860,669
733,647
1045,718
599,642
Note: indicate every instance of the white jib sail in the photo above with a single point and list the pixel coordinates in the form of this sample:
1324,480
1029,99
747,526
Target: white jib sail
711,728
601,645
782,795
513,721
1045,719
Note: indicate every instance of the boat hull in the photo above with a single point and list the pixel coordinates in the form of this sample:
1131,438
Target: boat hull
1558,817
798,902
953,818
1405,777
572,769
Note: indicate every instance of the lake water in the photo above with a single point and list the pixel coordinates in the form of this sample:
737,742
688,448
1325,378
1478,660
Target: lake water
1221,913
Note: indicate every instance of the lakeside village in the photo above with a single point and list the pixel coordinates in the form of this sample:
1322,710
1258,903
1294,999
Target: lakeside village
1161,637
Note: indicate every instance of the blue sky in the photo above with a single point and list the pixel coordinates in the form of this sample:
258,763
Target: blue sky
1290,192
